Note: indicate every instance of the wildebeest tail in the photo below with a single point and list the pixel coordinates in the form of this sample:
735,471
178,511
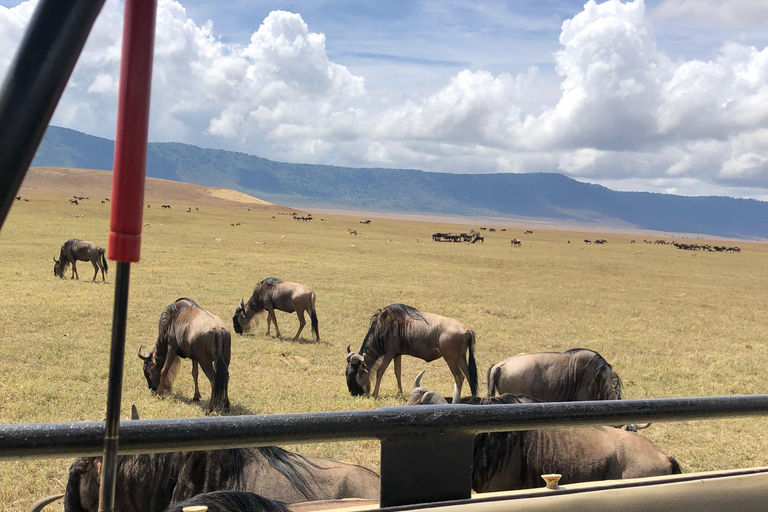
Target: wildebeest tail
313,318
472,364
103,260
493,380
72,493
675,466
618,386
221,372
289,465
230,501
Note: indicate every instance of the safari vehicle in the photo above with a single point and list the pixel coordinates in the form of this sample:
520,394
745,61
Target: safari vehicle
426,453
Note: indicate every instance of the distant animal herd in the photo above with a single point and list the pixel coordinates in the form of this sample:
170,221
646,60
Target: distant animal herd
229,479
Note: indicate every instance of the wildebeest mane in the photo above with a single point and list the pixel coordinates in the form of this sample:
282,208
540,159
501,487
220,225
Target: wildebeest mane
289,464
592,372
387,323
230,501
262,293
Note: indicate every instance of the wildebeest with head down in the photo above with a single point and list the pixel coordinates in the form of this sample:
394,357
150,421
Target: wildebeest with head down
150,483
75,250
504,461
576,374
186,330
271,294
399,329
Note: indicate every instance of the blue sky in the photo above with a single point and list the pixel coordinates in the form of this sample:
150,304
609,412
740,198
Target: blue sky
665,95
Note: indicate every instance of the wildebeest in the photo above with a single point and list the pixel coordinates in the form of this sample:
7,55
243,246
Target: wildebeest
150,483
271,294
75,250
516,460
18,198
587,241
73,201
576,374
186,330
166,206
528,232
516,242
230,501
399,329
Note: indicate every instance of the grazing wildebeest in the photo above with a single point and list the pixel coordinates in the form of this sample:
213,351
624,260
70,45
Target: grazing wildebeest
352,232
516,242
576,374
74,201
587,241
150,483
506,461
186,330
18,198
529,232
365,222
271,294
399,329
166,206
230,501
75,250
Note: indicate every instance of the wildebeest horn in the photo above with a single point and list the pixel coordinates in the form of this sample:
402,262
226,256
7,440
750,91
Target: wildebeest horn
134,412
641,426
143,358
41,503
417,380
456,394
242,304
348,349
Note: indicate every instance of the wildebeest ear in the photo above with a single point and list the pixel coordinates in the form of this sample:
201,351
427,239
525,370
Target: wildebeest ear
242,304
348,347
134,412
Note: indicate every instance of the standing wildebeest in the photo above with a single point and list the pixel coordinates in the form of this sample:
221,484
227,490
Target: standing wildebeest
187,330
516,460
75,250
150,483
516,242
271,294
399,329
577,374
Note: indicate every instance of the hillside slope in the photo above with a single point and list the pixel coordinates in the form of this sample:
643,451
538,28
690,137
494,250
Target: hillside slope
540,195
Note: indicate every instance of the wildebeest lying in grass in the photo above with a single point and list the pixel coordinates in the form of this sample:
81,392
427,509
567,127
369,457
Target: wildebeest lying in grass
230,501
188,331
75,250
271,294
399,329
150,483
506,461
576,374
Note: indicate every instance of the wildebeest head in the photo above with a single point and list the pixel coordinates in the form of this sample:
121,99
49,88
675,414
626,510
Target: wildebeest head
358,374
422,396
239,319
151,369
82,494
59,266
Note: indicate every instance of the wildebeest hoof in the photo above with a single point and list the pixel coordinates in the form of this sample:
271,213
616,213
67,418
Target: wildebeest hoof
196,398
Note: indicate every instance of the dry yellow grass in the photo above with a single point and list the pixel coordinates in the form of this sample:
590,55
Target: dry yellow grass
671,324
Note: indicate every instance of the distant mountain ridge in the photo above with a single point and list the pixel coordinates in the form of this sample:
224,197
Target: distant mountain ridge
540,195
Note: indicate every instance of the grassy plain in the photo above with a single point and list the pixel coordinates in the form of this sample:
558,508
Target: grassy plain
672,323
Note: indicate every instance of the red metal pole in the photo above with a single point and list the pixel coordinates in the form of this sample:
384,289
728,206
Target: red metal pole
127,208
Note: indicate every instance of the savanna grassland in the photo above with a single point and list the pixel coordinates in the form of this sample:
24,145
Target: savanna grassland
672,323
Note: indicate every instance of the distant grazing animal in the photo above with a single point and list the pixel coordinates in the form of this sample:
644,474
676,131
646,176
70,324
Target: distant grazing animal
106,199
601,241
166,206
504,229
26,200
74,201
197,209
516,242
103,201
18,198
569,241
229,501
399,329
529,232
516,460
75,250
352,232
587,241
151,482
631,241
185,331
271,294
492,229
365,222
638,253
576,374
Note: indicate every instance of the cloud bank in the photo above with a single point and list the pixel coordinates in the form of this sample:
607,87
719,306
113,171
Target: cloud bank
628,115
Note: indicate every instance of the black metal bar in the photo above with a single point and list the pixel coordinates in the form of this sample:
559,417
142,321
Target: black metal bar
34,83
425,469
115,386
146,436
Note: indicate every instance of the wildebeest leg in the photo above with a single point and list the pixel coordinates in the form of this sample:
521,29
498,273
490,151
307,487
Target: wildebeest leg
169,360
74,269
302,322
271,315
397,373
95,270
207,368
195,398
456,369
380,374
